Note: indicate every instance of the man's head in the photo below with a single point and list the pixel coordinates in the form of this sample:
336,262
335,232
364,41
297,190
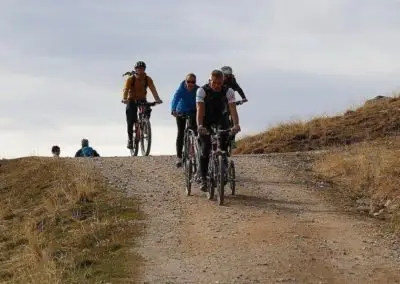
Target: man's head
84,142
216,80
140,67
190,81
55,150
227,71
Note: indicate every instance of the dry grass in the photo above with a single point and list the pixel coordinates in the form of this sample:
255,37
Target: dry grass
371,121
59,223
367,171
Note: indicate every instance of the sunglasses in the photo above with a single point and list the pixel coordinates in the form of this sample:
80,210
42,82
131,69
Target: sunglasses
190,82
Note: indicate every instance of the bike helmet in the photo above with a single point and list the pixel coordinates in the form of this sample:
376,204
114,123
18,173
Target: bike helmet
84,142
227,70
140,64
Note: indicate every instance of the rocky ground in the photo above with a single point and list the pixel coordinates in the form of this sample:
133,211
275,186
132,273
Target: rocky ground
276,229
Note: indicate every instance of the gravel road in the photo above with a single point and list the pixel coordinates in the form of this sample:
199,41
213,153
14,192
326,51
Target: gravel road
275,230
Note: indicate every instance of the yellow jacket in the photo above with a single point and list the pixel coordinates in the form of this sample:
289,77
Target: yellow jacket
138,91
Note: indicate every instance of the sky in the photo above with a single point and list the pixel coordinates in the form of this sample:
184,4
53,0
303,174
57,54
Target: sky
61,63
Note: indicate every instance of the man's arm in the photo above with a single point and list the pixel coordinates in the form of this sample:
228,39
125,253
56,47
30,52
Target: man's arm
175,99
153,89
127,88
200,94
230,95
95,154
78,153
238,89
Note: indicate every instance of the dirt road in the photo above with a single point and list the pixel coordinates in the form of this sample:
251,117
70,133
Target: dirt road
274,231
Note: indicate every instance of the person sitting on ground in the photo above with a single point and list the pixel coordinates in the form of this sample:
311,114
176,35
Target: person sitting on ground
55,150
86,150
184,104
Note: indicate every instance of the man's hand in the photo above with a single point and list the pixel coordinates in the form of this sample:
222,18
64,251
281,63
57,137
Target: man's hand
235,129
124,101
202,130
159,101
174,113
245,100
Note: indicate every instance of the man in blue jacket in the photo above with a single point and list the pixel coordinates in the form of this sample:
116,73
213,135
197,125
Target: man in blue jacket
183,104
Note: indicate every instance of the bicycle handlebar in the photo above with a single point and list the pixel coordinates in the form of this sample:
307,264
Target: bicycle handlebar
145,103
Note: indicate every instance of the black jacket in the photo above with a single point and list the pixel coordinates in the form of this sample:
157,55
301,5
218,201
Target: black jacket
233,84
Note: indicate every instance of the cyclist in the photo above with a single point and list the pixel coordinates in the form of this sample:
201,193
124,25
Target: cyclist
212,109
135,91
86,150
55,150
230,82
184,103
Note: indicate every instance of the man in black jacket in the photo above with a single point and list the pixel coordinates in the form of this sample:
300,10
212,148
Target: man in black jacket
230,82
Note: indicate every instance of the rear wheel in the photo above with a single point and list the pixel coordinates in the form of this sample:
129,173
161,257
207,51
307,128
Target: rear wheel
145,137
220,180
135,149
188,177
232,177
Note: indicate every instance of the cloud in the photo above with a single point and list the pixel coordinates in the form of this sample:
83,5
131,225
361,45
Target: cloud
60,76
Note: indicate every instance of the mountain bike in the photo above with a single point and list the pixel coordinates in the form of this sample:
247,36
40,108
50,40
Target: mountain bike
217,167
142,133
190,155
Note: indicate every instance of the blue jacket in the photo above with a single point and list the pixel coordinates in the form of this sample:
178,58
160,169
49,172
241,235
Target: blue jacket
184,101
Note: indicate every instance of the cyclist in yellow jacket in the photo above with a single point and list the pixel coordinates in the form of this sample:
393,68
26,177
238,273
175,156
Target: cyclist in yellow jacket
136,91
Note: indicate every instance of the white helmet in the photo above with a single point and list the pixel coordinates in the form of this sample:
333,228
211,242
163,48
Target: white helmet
227,70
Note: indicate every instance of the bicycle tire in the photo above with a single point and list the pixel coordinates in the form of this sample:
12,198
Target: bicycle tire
188,178
185,151
135,150
145,125
211,181
232,177
220,179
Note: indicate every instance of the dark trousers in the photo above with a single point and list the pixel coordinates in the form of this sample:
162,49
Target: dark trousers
205,142
181,124
132,116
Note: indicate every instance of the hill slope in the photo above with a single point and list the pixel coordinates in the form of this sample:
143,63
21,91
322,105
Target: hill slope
376,119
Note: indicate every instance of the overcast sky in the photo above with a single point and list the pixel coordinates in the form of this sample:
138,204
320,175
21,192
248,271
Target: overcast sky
62,61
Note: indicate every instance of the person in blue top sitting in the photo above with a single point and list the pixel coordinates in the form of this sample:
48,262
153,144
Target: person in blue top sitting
183,104
86,150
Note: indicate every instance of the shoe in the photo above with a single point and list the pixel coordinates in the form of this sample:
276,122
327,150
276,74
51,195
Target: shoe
179,163
130,144
203,186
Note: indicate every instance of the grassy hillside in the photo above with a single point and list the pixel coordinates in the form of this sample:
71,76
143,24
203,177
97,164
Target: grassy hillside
59,223
363,158
375,119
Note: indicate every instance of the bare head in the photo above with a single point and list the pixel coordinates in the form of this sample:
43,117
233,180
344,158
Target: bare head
190,81
216,80
55,150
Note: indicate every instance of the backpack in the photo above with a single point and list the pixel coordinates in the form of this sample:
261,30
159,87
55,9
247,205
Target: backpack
87,151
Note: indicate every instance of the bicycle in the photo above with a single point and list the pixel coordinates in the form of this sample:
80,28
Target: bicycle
190,155
217,167
144,130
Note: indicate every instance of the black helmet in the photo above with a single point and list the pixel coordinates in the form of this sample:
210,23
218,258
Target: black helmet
84,142
140,64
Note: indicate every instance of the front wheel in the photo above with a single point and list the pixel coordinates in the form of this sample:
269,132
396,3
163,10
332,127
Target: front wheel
232,177
188,177
134,151
211,181
220,180
145,137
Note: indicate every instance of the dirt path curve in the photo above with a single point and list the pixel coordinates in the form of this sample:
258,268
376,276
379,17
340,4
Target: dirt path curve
274,231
